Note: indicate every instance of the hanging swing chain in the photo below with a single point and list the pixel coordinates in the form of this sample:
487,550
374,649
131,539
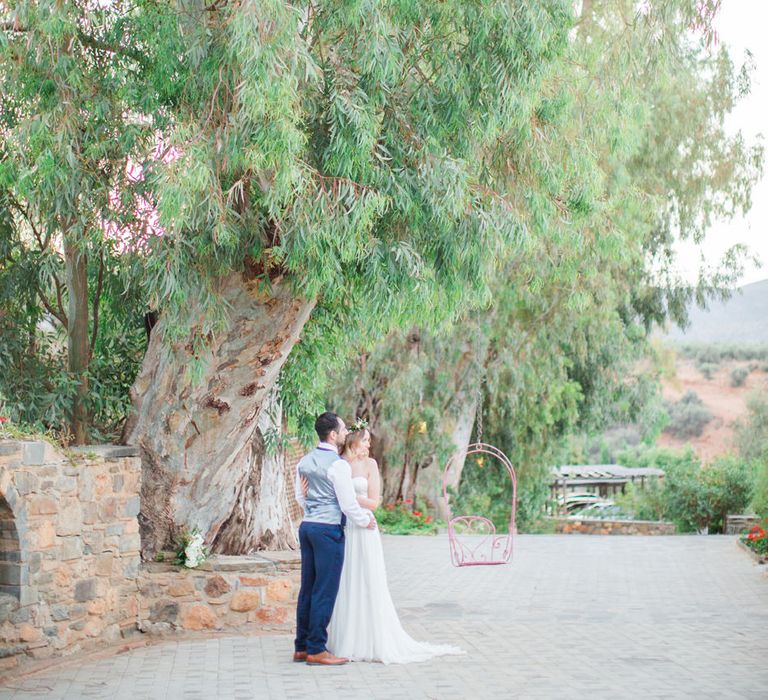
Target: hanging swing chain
479,417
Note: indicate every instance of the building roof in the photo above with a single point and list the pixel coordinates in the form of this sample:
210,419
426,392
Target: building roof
604,472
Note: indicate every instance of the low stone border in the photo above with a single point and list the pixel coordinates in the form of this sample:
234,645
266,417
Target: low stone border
759,558
596,526
224,593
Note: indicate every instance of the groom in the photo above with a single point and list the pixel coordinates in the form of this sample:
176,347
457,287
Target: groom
330,497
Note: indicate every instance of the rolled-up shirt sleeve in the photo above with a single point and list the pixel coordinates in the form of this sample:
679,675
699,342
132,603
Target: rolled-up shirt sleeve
340,475
298,493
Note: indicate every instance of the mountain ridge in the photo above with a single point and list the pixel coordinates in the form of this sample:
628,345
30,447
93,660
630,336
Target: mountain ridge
743,318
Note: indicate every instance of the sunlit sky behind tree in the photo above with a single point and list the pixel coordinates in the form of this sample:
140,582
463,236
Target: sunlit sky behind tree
741,27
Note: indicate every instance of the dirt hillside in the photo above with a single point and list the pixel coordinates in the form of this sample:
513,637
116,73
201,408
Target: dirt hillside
726,403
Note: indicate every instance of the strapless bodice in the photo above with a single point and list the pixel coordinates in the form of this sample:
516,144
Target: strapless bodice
361,485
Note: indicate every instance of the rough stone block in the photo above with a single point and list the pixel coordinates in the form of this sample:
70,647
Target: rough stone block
198,617
41,505
20,615
131,507
114,529
70,517
131,567
28,633
26,482
243,601
66,484
90,513
8,447
181,588
254,581
279,591
59,612
164,611
107,509
104,564
216,586
33,453
274,615
85,590
130,543
34,562
71,548
97,607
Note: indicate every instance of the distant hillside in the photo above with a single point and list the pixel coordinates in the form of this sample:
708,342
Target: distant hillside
741,319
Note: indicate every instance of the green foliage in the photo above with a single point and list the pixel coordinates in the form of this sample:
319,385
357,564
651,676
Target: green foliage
751,440
693,496
688,417
647,503
708,369
739,376
717,353
402,163
399,519
757,539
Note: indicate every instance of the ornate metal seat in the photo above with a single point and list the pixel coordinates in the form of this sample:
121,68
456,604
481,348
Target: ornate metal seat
473,539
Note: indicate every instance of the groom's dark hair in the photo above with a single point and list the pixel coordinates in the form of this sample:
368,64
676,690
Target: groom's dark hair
325,424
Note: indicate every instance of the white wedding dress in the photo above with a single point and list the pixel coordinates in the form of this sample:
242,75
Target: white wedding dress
365,625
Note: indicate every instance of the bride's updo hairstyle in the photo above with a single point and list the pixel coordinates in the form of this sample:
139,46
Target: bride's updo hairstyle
354,438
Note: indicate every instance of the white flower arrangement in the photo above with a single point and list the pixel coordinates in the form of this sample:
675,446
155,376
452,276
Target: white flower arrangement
191,550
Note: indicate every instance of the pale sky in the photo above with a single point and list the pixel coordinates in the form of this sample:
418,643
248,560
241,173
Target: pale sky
741,25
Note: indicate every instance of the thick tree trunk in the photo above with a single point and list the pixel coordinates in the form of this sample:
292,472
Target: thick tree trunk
76,263
202,441
458,424
258,519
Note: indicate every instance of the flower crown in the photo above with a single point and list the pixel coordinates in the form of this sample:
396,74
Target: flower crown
359,424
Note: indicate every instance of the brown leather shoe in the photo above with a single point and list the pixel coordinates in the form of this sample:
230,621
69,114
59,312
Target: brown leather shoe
299,656
325,658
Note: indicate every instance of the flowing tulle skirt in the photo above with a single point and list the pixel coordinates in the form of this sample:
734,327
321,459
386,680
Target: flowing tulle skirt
365,625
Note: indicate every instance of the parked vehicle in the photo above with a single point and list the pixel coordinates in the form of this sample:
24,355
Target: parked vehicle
607,510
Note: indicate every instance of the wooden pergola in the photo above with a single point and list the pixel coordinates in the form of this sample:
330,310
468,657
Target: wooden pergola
604,480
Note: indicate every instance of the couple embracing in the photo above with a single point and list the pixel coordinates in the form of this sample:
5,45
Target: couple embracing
345,611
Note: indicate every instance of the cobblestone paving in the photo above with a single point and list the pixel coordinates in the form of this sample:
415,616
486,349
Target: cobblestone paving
571,617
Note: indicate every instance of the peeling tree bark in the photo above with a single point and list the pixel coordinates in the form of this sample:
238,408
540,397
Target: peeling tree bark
202,443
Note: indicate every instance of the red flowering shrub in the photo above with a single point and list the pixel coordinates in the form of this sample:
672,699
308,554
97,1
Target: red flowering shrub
757,539
398,519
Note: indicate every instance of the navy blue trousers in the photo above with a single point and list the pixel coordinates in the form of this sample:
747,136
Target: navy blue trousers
322,557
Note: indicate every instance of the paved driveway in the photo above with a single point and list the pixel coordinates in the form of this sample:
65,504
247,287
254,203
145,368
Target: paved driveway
571,617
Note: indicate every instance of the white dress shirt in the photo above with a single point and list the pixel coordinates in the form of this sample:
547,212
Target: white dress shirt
340,476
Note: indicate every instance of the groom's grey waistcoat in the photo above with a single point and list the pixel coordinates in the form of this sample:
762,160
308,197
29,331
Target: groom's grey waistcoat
321,505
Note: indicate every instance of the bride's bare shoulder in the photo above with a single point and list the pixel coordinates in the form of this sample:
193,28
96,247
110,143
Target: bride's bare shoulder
372,465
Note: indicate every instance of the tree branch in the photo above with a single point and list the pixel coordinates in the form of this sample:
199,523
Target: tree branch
59,315
96,300
85,39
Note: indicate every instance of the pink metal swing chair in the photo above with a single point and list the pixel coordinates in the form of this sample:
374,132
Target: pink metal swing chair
463,530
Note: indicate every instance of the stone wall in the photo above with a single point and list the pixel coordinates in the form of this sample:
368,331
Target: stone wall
612,527
230,593
70,572
69,549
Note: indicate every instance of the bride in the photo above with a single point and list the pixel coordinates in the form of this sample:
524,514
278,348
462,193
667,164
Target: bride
365,625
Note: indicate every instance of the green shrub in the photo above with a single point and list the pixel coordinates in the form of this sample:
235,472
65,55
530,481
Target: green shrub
708,369
720,352
739,376
400,519
688,417
760,495
647,503
692,496
757,539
